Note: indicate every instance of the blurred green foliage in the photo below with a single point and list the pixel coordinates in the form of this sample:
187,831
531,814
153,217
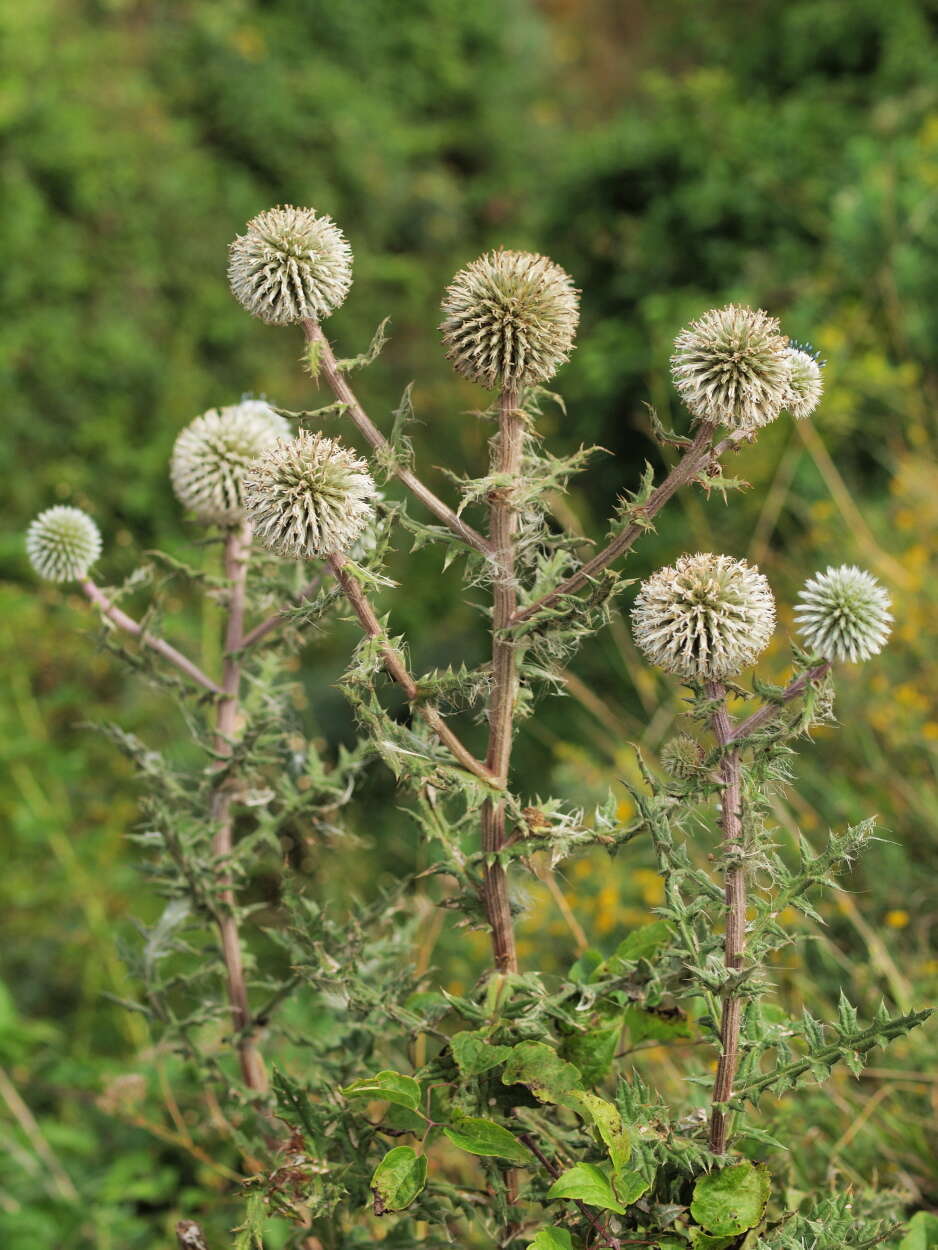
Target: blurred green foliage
671,157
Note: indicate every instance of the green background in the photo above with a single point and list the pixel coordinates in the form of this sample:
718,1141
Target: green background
672,157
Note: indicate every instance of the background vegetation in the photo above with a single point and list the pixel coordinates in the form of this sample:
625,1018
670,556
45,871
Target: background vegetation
672,157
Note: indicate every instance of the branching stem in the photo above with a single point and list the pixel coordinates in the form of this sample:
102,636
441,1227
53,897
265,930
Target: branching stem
503,525
338,383
276,619
768,713
397,669
159,645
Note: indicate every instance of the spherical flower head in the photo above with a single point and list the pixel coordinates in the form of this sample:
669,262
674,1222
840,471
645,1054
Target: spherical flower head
706,617
804,383
309,497
510,319
62,544
290,265
730,368
682,757
843,614
212,453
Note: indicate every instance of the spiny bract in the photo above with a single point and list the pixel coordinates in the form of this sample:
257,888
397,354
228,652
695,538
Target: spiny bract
804,383
707,616
211,455
62,544
730,367
510,319
290,265
843,614
682,757
309,497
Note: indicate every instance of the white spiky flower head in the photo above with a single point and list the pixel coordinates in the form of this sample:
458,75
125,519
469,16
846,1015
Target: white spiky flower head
804,382
62,544
212,453
510,319
730,367
309,497
843,614
682,757
707,616
290,265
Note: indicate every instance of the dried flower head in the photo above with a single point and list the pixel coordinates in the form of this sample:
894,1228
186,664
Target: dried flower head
804,382
309,497
730,368
843,614
62,544
211,455
682,757
707,616
290,265
510,319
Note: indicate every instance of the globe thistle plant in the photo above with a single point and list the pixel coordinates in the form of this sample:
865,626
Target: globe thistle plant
682,757
510,319
290,265
804,382
843,614
309,497
62,544
211,455
707,616
731,368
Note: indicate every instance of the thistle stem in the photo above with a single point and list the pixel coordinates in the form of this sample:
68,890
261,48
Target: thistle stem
697,455
159,645
328,365
503,525
272,622
734,942
768,713
397,670
237,553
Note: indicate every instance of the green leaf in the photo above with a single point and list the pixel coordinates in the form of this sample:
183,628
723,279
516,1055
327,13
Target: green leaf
728,1202
250,1234
629,1186
484,1137
643,942
922,1232
293,1100
474,1054
398,1179
551,1239
657,1025
539,1067
592,1052
703,1241
389,1086
587,1183
606,1120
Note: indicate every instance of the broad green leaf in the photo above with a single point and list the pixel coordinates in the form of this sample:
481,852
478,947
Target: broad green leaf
388,1086
551,1239
606,1120
473,1054
629,1186
592,1052
703,1241
922,1233
484,1137
398,1179
671,1243
728,1202
657,1025
587,1183
642,943
539,1067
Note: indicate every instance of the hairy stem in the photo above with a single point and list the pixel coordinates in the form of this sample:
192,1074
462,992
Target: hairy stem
237,551
338,383
768,713
398,671
272,622
503,525
734,942
696,457
159,645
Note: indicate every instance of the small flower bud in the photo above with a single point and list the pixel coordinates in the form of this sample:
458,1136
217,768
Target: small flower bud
708,616
211,455
682,757
509,319
730,368
843,614
804,382
62,544
290,265
309,497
